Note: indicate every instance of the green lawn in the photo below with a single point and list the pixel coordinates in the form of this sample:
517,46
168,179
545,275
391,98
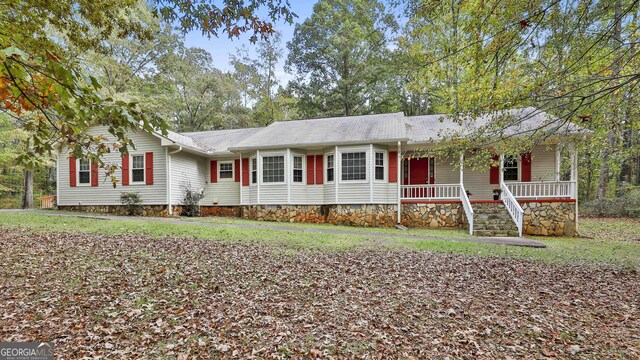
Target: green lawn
608,241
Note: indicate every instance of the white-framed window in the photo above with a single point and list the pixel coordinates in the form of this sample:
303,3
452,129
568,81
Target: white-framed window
273,169
84,171
354,166
225,170
510,168
137,168
379,170
254,170
297,169
330,167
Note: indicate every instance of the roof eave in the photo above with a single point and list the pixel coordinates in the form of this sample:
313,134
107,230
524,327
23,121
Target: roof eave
323,144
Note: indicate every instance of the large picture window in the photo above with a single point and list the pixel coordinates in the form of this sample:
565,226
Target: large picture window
272,169
379,166
137,168
354,166
297,169
510,168
84,171
330,167
226,170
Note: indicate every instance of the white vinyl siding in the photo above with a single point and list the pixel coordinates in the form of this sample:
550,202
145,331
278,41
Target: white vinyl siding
105,193
188,171
226,191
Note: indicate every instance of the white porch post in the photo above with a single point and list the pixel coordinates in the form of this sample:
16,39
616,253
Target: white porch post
371,172
336,174
288,174
462,169
501,168
399,165
240,178
574,179
168,161
258,175
558,162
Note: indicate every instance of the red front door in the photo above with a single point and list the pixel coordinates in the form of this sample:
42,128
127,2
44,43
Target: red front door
418,171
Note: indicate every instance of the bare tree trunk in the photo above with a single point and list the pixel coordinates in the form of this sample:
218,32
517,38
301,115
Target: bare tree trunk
27,189
609,148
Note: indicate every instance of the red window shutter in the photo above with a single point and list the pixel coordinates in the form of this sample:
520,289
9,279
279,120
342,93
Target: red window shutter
236,170
393,166
72,171
311,177
125,170
526,167
214,171
245,172
94,174
494,172
319,170
148,164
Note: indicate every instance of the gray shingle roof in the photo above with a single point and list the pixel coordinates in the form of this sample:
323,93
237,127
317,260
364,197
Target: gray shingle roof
218,141
367,129
524,121
328,131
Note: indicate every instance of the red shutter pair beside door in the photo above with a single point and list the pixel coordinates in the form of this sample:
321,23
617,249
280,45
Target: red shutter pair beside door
315,173
525,169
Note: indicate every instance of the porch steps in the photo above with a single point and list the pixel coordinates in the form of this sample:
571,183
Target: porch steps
493,219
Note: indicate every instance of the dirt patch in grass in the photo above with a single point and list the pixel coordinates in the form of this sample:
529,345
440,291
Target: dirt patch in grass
124,296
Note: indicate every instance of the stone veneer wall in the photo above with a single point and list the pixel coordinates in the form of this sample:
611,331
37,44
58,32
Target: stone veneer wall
439,215
549,218
449,215
147,210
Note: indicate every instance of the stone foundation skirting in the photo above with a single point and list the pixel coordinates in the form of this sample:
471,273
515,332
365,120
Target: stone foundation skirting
448,215
437,215
549,218
143,210
540,217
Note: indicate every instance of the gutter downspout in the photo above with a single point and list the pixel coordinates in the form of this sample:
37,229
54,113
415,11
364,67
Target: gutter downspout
399,181
168,155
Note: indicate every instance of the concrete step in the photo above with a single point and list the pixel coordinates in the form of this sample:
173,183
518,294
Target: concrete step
496,227
495,233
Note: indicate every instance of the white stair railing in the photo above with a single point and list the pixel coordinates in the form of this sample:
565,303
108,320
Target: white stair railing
515,210
468,210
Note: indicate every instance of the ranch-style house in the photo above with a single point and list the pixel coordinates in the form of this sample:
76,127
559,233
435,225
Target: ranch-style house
356,170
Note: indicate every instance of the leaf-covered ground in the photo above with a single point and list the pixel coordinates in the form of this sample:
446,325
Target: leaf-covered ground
132,296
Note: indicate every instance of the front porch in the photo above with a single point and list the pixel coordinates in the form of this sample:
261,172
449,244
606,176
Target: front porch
506,189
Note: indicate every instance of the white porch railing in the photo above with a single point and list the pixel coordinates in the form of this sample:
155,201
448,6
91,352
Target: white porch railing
430,192
515,210
468,210
542,189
